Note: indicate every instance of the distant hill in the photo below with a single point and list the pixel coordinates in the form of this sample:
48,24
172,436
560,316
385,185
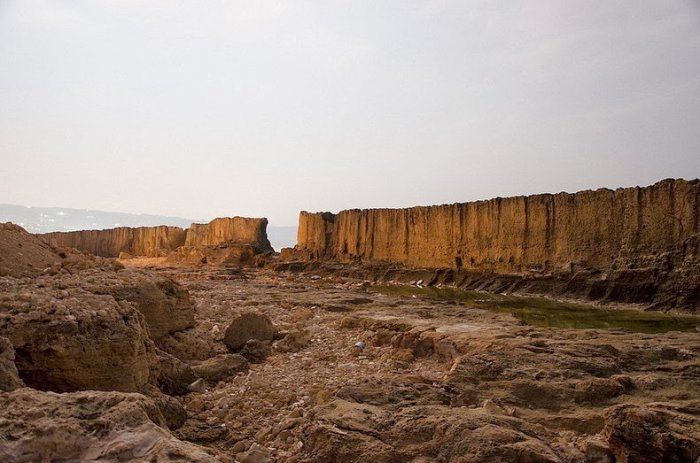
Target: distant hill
51,219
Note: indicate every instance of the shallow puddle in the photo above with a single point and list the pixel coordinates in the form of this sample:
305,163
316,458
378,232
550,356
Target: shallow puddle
543,312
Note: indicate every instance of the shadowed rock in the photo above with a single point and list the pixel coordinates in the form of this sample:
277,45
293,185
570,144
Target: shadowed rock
256,351
248,326
9,377
221,367
165,305
88,426
172,375
69,339
653,433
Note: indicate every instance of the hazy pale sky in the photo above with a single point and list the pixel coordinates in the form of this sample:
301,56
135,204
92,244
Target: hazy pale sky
221,107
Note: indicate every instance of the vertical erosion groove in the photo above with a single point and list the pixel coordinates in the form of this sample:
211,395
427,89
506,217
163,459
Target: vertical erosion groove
589,228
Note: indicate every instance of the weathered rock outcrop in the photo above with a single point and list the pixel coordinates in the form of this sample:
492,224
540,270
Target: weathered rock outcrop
23,255
221,254
140,241
9,377
371,430
641,243
165,305
240,230
88,426
654,432
81,323
70,339
162,241
172,375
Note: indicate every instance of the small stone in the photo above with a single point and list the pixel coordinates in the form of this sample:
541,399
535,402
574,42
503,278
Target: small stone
263,432
239,446
197,386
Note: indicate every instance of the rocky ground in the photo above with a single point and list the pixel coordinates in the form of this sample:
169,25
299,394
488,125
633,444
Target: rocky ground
158,363
435,381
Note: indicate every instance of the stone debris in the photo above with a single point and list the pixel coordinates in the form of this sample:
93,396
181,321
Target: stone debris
420,382
319,369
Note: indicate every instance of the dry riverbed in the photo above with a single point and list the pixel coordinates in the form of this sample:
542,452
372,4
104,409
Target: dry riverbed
433,379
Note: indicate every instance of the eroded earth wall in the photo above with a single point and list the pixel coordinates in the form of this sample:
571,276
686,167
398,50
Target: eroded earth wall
654,227
160,241
242,230
139,241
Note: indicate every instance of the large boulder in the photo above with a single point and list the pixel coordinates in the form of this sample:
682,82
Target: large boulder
654,432
172,375
247,326
88,426
70,339
163,302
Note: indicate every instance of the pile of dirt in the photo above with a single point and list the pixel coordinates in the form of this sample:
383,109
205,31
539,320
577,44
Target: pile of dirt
22,254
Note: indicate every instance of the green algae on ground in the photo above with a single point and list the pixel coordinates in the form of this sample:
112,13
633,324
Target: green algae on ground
538,311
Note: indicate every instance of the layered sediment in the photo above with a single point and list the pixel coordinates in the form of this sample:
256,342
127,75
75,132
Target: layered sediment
645,239
140,241
240,230
162,240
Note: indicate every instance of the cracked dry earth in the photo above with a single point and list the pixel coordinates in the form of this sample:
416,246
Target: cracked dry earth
436,382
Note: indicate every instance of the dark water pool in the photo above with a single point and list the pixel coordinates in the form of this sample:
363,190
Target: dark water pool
544,312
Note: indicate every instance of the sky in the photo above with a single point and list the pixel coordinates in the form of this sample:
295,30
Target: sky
260,108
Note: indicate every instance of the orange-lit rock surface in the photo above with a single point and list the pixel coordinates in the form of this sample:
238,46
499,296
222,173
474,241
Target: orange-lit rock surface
240,230
162,240
140,241
650,233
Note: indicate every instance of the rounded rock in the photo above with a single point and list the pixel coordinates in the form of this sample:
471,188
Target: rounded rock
248,326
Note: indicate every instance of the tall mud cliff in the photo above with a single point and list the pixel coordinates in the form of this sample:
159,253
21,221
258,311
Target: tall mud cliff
160,241
241,230
653,229
140,241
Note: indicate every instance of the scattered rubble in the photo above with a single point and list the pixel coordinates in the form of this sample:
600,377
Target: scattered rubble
252,365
